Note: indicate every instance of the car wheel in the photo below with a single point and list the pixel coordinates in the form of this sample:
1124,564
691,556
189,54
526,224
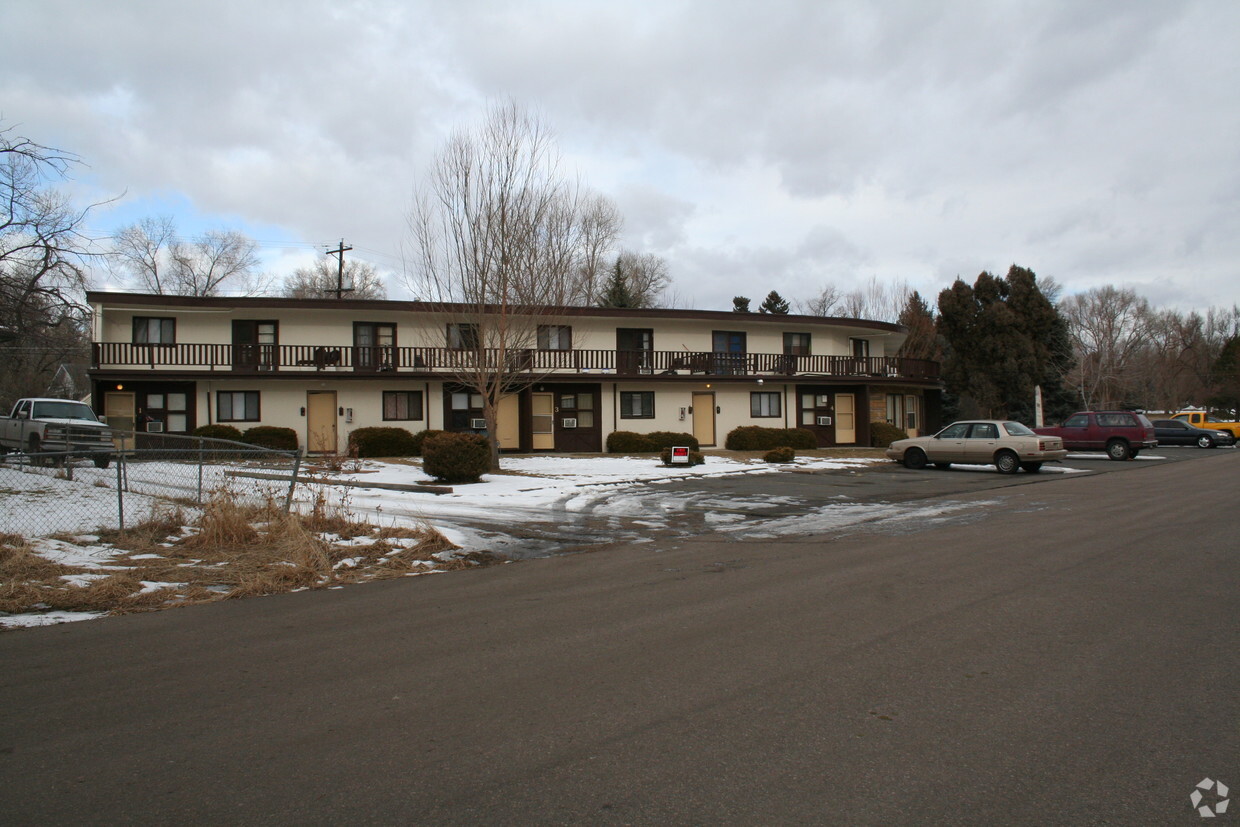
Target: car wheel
103,461
914,458
1007,462
1118,450
1204,441
1031,467
943,465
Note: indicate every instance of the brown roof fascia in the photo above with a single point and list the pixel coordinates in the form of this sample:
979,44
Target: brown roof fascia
144,300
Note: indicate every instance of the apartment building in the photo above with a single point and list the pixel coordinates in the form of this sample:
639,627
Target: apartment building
325,367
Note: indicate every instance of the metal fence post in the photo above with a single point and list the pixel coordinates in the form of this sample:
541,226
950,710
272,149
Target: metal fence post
201,460
120,488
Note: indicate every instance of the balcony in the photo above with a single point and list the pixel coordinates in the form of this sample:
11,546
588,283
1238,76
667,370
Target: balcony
436,361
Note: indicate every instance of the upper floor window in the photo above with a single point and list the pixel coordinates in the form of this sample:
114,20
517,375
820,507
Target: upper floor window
859,347
796,344
152,330
555,337
463,336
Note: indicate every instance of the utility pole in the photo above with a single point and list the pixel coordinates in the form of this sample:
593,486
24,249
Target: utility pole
339,253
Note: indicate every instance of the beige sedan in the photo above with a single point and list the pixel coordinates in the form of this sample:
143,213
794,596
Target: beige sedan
1009,446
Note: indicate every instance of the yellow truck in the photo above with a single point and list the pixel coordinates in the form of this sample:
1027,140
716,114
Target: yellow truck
1201,419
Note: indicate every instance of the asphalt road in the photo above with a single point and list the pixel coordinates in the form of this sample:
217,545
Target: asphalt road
1067,656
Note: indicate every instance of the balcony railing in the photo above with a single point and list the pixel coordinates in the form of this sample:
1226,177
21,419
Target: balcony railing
294,359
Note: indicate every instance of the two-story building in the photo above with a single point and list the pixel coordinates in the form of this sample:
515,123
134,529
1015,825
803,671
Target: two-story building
325,367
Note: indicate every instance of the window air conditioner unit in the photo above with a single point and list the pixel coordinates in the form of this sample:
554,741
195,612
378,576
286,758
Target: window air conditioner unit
154,427
478,424
824,420
568,422
646,371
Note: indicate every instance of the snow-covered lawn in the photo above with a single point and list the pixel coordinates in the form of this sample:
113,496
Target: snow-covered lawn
496,514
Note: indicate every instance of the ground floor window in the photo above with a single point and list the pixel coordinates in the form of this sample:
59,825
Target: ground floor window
904,411
764,404
237,406
402,405
167,412
465,411
637,404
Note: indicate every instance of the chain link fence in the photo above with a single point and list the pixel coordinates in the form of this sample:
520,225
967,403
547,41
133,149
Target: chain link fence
48,493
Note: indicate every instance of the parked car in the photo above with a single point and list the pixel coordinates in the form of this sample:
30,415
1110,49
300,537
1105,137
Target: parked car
1201,419
1009,446
1179,432
1122,434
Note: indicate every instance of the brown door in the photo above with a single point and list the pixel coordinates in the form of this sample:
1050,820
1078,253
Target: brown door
321,422
704,418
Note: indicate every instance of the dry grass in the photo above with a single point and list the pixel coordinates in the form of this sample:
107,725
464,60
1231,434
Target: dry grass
231,550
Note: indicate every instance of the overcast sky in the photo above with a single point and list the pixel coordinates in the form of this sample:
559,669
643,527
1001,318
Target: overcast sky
754,146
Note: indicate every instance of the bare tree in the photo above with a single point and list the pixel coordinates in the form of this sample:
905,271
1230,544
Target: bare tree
157,259
826,303
498,235
876,301
1109,328
319,281
646,277
601,223
43,257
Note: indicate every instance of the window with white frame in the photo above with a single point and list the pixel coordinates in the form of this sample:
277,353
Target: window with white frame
637,404
555,337
236,406
764,404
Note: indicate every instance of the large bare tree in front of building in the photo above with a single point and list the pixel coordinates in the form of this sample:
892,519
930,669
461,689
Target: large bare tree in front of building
499,237
153,256
43,270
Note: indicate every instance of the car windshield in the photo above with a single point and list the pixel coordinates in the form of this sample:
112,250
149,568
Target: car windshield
1017,429
63,410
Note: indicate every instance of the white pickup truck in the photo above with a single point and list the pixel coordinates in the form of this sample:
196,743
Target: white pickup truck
55,426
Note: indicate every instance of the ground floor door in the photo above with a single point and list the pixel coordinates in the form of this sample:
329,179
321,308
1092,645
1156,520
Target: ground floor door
542,421
704,419
118,409
321,417
508,423
845,418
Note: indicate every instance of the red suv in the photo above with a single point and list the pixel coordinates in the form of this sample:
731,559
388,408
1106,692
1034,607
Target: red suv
1122,434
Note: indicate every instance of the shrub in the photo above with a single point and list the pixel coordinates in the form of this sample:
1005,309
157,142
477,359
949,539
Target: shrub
781,454
381,442
628,442
669,439
269,436
453,457
218,432
695,457
419,440
755,438
883,434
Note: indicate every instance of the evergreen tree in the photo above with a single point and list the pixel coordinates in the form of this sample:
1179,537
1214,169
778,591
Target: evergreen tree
1003,338
774,304
923,339
617,293
740,304
1226,370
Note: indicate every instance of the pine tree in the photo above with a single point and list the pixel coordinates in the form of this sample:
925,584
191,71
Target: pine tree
740,304
617,293
774,304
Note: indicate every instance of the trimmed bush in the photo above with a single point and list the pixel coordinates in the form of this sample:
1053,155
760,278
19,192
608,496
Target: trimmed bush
781,454
629,442
883,434
218,432
269,436
670,439
419,439
453,457
695,457
755,438
381,442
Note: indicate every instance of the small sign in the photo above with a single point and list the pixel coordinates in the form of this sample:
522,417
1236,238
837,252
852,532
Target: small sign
680,455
